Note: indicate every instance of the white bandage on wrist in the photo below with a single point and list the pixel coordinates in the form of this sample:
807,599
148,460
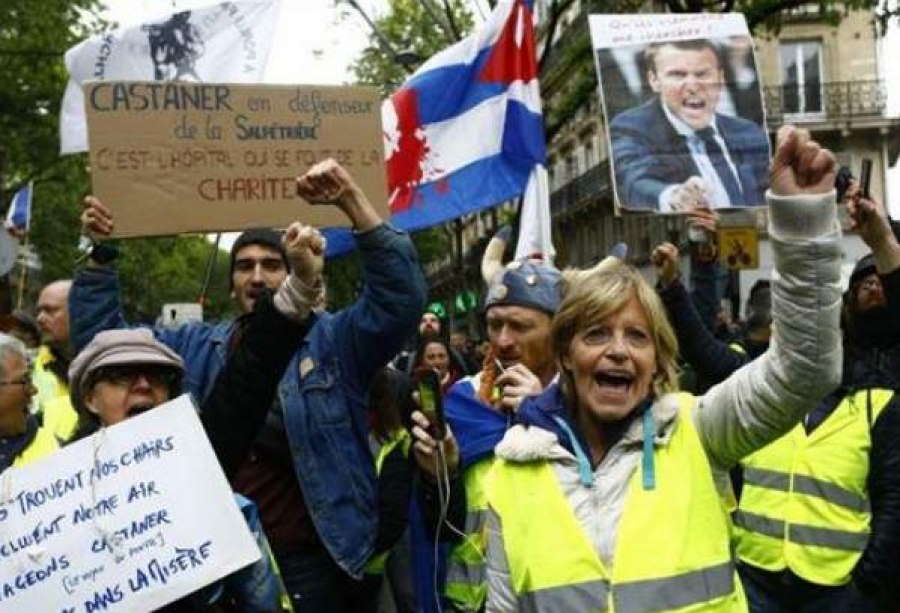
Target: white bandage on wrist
295,299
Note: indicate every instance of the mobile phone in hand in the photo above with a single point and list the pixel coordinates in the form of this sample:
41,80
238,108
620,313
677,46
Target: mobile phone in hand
431,403
865,178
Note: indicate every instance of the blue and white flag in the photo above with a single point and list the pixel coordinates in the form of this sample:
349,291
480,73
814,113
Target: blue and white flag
465,131
227,42
18,216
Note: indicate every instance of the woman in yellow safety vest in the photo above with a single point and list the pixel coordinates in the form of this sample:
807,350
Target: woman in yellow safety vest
609,494
22,438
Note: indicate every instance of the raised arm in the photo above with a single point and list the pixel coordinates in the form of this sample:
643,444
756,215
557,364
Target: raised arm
244,391
712,359
375,327
94,300
870,220
766,398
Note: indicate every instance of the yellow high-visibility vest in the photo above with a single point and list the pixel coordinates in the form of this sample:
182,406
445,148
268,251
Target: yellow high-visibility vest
805,505
52,400
402,439
737,348
672,548
43,444
466,584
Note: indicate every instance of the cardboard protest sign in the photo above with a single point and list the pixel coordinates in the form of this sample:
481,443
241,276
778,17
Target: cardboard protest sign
130,519
682,99
176,157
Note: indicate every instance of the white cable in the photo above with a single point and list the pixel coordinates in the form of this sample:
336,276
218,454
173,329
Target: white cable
443,485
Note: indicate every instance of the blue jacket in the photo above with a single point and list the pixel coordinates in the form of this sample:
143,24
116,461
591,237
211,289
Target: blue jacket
325,408
649,155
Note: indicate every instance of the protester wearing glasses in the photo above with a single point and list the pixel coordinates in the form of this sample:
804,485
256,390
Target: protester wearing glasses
22,439
126,372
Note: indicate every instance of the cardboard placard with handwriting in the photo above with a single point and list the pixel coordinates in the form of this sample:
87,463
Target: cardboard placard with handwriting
132,518
174,157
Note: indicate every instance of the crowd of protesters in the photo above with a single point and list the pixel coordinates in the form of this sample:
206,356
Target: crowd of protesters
578,469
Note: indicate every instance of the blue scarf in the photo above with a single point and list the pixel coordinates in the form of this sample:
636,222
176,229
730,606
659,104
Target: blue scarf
477,427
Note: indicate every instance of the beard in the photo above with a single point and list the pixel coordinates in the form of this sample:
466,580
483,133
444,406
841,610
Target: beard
875,327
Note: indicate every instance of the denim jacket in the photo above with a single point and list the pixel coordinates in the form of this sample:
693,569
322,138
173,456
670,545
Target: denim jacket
323,392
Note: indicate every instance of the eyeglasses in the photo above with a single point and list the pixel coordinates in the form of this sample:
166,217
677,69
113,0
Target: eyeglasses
25,380
870,283
126,374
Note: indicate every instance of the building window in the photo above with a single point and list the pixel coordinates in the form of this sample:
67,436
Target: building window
801,77
590,157
571,166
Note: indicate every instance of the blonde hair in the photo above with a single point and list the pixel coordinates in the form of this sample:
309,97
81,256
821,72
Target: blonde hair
590,296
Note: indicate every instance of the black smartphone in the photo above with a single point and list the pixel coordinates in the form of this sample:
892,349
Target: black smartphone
865,178
430,401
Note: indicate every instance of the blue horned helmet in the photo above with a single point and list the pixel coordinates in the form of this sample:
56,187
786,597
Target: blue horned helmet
527,283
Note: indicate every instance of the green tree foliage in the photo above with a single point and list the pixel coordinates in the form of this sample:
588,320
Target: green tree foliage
34,34
162,270
409,26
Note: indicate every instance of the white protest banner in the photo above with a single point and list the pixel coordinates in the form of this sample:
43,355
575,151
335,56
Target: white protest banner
170,158
682,98
130,519
226,42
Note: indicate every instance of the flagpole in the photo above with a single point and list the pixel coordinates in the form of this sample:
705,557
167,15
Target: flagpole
23,274
210,267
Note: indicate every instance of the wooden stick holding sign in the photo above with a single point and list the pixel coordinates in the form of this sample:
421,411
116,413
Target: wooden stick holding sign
171,158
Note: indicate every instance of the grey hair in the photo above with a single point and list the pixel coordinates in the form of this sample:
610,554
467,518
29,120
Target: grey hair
10,345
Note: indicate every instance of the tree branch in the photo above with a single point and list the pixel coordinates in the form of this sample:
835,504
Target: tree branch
448,30
451,19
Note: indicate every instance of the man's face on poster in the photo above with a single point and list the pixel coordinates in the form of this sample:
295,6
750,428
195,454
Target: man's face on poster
689,81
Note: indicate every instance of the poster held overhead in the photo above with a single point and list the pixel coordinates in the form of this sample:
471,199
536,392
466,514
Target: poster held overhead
682,99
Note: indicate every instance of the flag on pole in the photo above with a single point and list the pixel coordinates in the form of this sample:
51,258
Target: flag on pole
18,217
535,221
465,130
225,42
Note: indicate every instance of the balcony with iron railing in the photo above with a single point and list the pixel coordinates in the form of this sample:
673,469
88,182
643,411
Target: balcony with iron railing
582,190
840,104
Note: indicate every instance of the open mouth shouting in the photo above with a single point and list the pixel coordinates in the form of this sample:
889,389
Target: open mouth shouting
614,384
139,408
695,110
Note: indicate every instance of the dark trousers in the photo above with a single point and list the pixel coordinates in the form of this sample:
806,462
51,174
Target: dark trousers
317,585
784,592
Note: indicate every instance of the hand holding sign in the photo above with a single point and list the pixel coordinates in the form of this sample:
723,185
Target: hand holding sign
690,195
329,183
96,219
305,248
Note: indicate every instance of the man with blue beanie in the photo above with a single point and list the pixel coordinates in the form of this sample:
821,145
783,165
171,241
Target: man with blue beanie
521,300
